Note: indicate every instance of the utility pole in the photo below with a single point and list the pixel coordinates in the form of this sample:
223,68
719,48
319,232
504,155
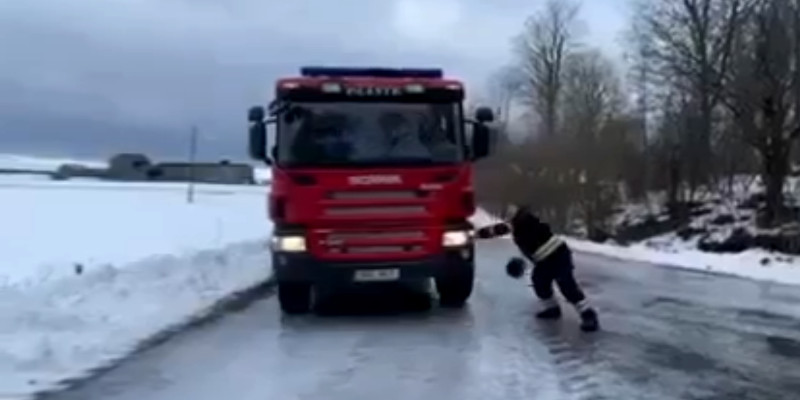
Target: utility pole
192,158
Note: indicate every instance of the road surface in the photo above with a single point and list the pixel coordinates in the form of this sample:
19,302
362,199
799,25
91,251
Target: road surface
667,334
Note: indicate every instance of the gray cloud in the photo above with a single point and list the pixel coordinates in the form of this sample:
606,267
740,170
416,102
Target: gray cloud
94,76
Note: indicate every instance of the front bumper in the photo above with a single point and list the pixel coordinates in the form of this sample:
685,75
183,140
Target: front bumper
304,267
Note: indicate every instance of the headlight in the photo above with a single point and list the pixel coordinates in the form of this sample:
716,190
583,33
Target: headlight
456,238
291,244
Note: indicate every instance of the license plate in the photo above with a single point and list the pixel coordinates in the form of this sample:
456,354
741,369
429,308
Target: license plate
377,275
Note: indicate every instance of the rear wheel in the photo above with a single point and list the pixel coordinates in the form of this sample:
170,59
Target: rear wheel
294,297
454,289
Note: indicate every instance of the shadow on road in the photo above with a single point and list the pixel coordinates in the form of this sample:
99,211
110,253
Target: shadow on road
374,301
377,305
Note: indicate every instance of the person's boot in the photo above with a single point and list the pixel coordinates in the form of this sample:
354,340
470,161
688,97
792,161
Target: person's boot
589,322
550,310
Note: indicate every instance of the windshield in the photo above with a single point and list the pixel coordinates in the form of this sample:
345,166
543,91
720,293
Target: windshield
347,134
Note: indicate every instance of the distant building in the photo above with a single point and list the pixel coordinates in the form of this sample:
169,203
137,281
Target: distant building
222,172
67,171
129,167
138,168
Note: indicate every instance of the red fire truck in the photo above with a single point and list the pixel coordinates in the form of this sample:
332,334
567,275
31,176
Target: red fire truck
371,180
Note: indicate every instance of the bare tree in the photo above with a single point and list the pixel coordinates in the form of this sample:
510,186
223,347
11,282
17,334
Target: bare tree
589,139
593,106
641,75
547,40
717,91
504,87
591,94
737,159
690,46
669,151
762,94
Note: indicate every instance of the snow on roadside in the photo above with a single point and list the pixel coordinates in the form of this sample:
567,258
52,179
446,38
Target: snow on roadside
750,264
482,218
87,273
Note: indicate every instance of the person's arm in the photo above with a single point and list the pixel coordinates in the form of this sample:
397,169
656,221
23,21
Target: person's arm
493,231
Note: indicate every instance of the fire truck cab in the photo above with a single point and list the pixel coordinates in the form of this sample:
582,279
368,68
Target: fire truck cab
371,180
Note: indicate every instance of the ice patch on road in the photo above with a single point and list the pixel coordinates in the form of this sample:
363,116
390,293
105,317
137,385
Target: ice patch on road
89,270
751,264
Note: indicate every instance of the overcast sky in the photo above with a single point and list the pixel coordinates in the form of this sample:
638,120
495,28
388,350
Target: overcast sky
91,77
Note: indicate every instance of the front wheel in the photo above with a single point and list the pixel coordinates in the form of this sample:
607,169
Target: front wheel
454,289
294,297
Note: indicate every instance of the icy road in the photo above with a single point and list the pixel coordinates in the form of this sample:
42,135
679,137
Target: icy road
668,334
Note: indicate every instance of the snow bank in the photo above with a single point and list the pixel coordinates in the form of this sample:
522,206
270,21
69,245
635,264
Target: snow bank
752,264
482,218
87,272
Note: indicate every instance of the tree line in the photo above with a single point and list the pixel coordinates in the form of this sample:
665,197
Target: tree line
711,94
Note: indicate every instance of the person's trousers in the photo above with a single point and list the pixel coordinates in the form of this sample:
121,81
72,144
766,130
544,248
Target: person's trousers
558,268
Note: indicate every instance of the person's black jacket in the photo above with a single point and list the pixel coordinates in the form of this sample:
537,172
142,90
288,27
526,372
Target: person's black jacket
533,237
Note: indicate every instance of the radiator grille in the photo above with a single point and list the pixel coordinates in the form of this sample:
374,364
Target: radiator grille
340,211
376,195
342,236
372,242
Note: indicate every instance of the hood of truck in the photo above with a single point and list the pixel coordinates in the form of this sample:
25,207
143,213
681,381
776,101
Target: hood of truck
375,196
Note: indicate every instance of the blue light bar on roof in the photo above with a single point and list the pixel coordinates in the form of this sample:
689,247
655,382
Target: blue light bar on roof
373,72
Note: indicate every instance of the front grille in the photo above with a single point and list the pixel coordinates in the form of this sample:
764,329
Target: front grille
376,195
358,212
401,242
342,236
379,249
413,210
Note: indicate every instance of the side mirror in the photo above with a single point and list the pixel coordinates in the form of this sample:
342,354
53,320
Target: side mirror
481,139
256,114
257,134
484,115
258,141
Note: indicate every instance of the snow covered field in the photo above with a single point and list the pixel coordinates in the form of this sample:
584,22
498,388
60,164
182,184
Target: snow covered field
89,269
41,163
753,264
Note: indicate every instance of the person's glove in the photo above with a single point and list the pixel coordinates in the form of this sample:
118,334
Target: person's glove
493,231
515,267
483,233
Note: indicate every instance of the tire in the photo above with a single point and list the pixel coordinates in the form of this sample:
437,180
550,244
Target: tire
455,289
294,297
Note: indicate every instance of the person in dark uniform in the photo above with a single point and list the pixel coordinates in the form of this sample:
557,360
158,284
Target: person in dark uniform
552,261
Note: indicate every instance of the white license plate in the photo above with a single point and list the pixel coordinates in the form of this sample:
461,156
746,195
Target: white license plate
377,275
